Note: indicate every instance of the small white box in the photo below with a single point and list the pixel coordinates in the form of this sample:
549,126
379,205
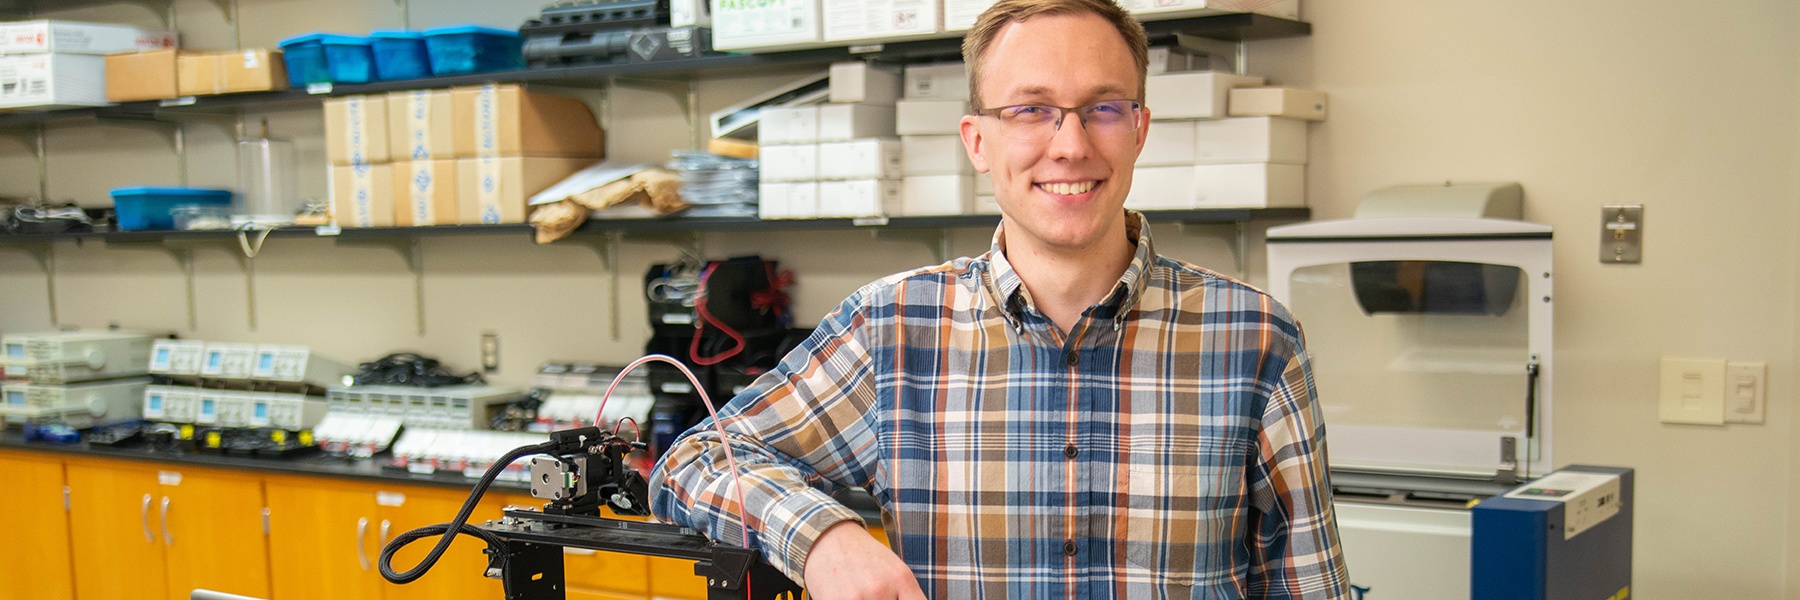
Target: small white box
1252,185
860,159
984,184
37,37
1286,9
1198,95
934,155
960,15
859,198
788,125
1291,103
930,117
937,195
853,82
884,19
1168,143
772,200
940,81
52,80
985,204
1249,140
683,13
803,200
768,25
845,122
1161,188
790,163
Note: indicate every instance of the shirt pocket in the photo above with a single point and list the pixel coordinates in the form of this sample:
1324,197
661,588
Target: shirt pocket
1177,524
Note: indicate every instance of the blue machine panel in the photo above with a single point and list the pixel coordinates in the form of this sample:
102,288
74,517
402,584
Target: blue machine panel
1521,550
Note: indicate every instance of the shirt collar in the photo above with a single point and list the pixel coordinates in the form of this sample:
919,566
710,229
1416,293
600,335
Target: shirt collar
1011,293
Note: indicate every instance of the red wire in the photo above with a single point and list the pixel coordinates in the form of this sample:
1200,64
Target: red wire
703,318
637,435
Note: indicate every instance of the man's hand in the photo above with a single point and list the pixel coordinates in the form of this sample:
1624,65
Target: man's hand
846,563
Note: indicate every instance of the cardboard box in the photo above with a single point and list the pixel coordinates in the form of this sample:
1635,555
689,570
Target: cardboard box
938,81
937,195
845,122
362,195
859,198
854,82
860,159
1164,9
135,76
73,37
1198,95
1169,143
1289,103
356,130
506,120
1252,185
960,15
197,73
880,19
934,155
769,25
1161,188
788,125
52,80
251,70
421,125
790,163
1249,140
494,190
425,193
929,117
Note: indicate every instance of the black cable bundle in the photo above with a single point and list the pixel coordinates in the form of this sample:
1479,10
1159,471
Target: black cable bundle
496,547
406,368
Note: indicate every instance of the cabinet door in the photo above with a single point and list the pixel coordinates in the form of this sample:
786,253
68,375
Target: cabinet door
460,572
215,538
116,532
35,548
322,539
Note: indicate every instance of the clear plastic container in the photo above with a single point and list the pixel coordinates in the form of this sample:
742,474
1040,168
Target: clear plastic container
400,54
465,49
328,58
201,216
266,181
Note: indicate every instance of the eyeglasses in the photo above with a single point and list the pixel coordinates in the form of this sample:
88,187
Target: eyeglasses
1040,122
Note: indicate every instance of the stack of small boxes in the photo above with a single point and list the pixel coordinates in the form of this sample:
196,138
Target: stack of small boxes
940,180
57,64
850,168
460,156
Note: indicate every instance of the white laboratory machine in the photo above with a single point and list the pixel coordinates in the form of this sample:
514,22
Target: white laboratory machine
74,356
78,405
446,407
227,360
572,392
297,365
177,358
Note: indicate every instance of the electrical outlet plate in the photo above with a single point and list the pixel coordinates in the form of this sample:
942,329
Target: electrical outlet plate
1622,233
490,352
1693,391
1746,391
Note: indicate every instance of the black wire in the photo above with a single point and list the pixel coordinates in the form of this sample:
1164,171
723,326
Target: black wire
460,525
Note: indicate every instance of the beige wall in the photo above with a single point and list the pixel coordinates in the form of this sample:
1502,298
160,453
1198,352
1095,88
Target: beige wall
1689,108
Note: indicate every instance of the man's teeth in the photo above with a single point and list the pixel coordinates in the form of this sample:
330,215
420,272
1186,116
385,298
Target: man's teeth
1068,188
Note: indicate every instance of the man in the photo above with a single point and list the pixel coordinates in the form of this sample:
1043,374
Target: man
1068,415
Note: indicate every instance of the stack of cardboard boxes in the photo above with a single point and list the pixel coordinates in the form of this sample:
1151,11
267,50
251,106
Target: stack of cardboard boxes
60,64
460,156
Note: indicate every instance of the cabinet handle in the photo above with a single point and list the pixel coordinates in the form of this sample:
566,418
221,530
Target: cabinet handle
384,532
168,538
145,516
362,531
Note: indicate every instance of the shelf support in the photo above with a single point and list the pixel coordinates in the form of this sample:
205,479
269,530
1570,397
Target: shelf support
411,250
935,240
45,255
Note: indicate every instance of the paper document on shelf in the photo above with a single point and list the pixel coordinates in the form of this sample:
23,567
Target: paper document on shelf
586,179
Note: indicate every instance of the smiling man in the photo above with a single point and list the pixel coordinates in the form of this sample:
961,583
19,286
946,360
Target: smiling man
1069,415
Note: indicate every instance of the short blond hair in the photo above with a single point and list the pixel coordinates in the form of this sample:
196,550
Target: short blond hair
996,17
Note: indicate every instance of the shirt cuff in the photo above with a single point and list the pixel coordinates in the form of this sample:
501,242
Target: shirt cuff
796,520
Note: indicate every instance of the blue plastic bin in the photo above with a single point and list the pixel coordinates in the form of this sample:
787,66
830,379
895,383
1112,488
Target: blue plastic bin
141,208
465,49
328,58
400,54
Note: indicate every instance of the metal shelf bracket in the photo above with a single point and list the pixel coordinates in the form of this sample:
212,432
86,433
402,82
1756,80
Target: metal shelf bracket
411,250
606,247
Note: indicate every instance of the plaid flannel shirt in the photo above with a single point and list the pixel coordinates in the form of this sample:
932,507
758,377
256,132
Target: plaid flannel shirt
1170,446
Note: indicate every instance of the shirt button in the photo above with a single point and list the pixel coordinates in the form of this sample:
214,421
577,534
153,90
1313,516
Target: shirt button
1069,548
1070,451
1073,358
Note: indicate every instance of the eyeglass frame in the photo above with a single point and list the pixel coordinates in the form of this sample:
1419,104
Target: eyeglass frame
1062,112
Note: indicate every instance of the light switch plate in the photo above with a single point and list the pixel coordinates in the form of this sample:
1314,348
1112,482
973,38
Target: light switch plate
1746,391
1622,233
1692,391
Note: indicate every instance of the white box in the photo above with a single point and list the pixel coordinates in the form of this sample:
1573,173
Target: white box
37,37
684,13
860,159
52,80
1249,140
985,204
1161,188
937,195
930,117
845,122
803,200
939,81
859,198
1286,9
1199,95
934,155
1291,103
788,125
769,25
960,15
1168,143
884,19
1252,185
772,200
1175,59
853,82
790,163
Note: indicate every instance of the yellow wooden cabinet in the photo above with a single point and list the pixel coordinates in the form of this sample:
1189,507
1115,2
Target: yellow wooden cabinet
140,531
326,536
35,548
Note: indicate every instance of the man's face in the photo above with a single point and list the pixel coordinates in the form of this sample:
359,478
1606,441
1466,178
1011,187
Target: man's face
1067,192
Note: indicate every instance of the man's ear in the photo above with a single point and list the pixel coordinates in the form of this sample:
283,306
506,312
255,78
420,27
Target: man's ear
973,142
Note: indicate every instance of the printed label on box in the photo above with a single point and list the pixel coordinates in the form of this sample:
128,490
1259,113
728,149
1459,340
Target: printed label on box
423,188
487,139
359,143
250,60
488,189
361,195
418,124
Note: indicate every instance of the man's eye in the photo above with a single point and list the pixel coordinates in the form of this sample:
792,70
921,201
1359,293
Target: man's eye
1027,111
